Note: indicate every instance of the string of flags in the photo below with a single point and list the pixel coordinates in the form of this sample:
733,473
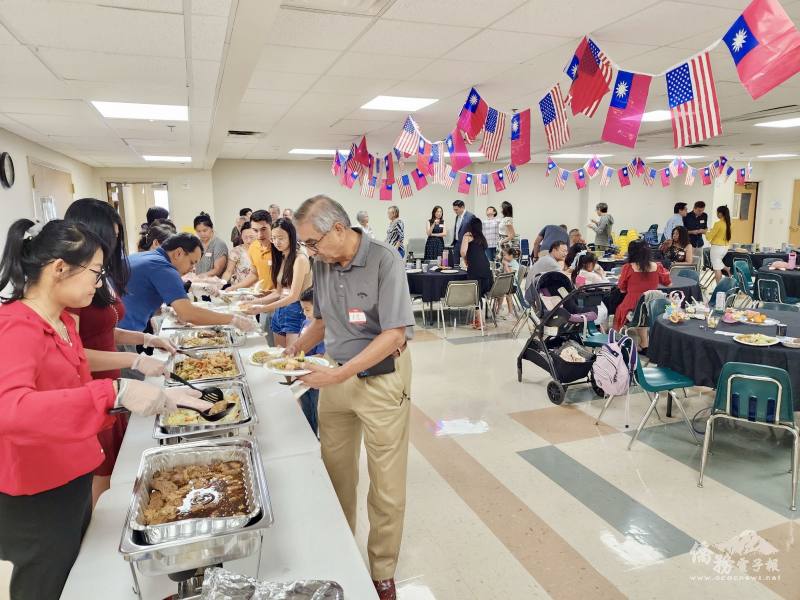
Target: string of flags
717,169
763,43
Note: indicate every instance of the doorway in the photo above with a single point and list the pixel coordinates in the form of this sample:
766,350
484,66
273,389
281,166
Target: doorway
794,224
132,199
743,212
53,191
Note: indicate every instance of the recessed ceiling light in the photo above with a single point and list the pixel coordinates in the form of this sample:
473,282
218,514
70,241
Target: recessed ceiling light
795,122
777,156
179,159
317,151
150,112
580,155
404,103
674,156
657,115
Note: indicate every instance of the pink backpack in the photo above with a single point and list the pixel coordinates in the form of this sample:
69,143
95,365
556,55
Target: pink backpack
612,370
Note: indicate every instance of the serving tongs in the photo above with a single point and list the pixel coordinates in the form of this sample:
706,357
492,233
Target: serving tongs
209,394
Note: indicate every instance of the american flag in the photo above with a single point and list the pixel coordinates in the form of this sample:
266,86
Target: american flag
691,173
715,169
448,181
409,137
439,166
605,70
554,117
692,99
511,173
494,128
561,179
605,179
649,176
405,187
483,186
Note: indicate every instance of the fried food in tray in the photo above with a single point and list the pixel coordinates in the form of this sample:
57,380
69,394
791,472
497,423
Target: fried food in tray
200,341
184,416
197,491
211,365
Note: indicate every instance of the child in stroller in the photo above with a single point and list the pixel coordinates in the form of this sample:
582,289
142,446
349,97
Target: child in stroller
560,313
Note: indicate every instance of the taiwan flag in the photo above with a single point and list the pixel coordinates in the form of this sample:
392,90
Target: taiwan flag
459,156
624,177
362,154
705,176
499,181
580,179
628,101
521,137
473,114
386,190
388,161
464,183
666,177
424,157
419,179
740,175
765,46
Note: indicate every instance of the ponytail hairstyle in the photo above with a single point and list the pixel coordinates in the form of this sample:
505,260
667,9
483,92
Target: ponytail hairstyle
159,231
100,217
30,249
583,261
724,212
278,259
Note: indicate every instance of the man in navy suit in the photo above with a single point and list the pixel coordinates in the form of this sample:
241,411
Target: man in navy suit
463,217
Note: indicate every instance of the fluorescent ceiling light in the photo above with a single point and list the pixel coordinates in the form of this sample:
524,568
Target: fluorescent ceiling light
150,112
404,103
475,154
317,151
580,155
674,156
777,156
179,159
795,122
657,115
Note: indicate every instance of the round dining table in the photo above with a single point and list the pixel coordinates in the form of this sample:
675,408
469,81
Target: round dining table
757,258
431,286
791,279
694,350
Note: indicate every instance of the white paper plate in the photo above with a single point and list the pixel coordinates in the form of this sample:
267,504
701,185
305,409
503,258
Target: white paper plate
766,323
449,271
274,352
413,270
317,360
771,343
789,344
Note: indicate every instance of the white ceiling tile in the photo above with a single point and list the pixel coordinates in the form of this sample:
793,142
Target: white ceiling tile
492,46
204,82
656,60
573,18
330,103
97,28
315,29
174,148
362,64
208,36
31,79
172,6
353,85
357,127
667,22
47,107
62,124
288,82
284,59
220,8
272,97
266,112
468,13
236,150
175,93
95,66
412,39
149,130
6,39
428,89
84,143
462,72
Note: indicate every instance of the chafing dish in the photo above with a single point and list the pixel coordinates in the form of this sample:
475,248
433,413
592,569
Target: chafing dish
185,340
195,543
179,358
171,434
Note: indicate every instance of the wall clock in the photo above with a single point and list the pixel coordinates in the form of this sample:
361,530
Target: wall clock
6,170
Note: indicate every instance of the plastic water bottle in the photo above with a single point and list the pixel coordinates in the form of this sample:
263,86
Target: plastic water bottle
792,260
445,259
719,302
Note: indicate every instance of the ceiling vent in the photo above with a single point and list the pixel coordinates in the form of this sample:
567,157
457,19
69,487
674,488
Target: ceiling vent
239,133
364,8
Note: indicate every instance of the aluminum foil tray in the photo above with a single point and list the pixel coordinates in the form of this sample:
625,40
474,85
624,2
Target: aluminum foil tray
178,358
180,339
168,457
247,418
221,584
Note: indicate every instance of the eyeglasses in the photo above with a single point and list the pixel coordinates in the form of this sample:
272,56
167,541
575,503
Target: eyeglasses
98,274
313,244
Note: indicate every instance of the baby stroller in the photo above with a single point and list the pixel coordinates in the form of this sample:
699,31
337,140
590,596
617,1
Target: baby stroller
560,314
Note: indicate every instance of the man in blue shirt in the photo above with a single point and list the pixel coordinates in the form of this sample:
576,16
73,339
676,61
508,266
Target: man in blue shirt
679,212
156,280
697,224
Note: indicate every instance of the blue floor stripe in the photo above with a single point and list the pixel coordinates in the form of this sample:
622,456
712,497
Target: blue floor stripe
629,517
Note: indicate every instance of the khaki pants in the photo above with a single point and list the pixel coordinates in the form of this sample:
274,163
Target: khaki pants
380,407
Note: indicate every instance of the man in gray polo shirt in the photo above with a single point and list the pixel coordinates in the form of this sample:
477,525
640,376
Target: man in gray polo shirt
362,309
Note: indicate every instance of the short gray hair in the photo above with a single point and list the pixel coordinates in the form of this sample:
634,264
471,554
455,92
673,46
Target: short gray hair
395,210
323,212
274,206
361,216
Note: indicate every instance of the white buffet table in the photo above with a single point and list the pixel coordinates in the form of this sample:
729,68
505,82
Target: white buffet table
310,538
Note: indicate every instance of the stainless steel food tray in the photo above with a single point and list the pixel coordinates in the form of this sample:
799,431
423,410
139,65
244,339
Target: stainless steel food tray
206,546
178,358
244,426
179,338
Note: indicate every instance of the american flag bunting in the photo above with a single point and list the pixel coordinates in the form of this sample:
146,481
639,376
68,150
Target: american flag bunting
561,179
511,173
483,185
692,99
691,173
493,132
448,181
649,176
409,137
605,178
554,117
405,187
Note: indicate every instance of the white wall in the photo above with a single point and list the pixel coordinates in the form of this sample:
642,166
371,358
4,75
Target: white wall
776,188
17,202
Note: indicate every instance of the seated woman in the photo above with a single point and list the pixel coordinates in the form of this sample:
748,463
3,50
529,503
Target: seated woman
639,275
584,272
678,250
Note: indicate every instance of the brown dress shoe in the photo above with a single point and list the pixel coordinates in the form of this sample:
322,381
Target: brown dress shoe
385,589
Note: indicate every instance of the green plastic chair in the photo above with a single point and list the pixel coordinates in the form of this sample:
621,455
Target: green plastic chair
654,380
594,338
780,306
656,308
765,398
746,266
771,288
742,280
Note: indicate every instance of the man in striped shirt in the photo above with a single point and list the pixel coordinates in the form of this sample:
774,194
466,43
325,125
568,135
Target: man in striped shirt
491,231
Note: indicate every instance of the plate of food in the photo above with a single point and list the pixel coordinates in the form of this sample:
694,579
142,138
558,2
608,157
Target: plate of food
260,357
210,365
753,317
413,271
449,271
294,366
755,339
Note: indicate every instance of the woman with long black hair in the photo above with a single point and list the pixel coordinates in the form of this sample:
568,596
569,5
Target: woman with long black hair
291,275
720,237
51,410
473,253
97,324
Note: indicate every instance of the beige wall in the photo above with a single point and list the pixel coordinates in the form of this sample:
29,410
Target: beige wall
17,202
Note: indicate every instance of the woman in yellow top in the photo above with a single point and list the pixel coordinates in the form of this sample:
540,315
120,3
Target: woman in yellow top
719,237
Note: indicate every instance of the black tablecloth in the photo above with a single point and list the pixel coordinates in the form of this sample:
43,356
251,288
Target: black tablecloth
689,287
757,258
610,263
791,280
700,353
432,285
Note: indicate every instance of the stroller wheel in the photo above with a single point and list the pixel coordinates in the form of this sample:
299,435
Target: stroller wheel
555,392
597,389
